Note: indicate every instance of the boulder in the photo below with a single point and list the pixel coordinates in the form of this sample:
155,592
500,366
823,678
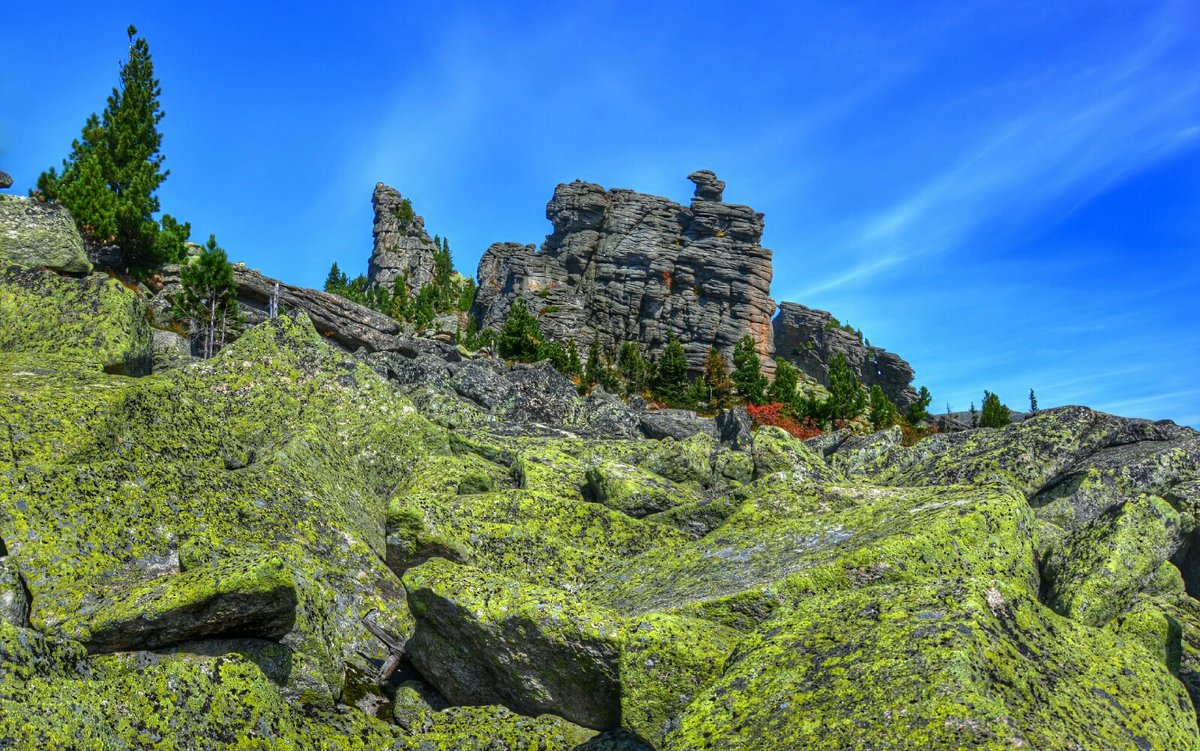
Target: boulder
733,427
347,324
93,318
40,235
251,598
171,350
481,640
6,180
678,424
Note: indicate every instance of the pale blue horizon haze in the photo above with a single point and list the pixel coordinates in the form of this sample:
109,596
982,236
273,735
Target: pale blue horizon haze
1006,194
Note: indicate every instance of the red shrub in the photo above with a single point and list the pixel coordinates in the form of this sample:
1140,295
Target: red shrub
773,414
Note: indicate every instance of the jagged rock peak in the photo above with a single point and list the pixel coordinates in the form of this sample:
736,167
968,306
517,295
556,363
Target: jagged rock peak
629,267
401,244
708,187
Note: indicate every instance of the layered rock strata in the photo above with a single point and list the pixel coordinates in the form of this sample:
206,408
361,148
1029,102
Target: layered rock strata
811,338
630,267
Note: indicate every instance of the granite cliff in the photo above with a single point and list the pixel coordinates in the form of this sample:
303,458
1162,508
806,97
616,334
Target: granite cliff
625,266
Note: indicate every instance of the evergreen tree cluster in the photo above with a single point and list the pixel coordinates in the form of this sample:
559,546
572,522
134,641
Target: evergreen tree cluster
109,180
446,292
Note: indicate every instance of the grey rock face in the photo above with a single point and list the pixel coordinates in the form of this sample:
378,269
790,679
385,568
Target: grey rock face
171,350
14,597
625,266
810,338
345,323
679,424
733,426
402,247
35,234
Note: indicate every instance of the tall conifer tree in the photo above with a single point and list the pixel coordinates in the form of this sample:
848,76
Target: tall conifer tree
109,180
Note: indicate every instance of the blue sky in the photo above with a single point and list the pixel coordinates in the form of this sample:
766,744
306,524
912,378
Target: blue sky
1005,193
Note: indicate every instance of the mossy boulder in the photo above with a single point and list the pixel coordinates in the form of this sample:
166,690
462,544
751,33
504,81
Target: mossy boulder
633,490
35,234
783,541
53,696
947,664
251,598
484,639
278,447
1095,572
92,319
1030,455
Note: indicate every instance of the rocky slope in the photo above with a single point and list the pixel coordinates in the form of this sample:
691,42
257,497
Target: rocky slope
627,266
290,547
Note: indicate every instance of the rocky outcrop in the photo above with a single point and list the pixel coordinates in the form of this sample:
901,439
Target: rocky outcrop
810,338
402,247
630,267
346,323
6,180
35,234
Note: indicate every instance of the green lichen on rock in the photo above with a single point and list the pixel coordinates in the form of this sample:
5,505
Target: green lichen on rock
951,664
251,598
165,702
92,319
35,234
280,446
1094,574
483,639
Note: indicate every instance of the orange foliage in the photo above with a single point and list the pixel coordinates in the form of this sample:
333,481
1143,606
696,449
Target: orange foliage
773,414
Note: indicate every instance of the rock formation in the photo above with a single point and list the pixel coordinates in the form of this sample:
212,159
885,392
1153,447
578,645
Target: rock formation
627,266
346,323
810,338
6,180
402,247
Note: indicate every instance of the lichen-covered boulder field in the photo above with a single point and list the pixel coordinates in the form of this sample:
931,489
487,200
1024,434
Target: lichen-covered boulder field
206,557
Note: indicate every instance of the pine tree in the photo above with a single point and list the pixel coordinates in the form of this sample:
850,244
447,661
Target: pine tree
783,388
671,383
882,412
995,414
574,366
1033,407
336,281
109,180
520,337
718,385
747,371
918,413
594,372
974,416
207,298
634,369
847,399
